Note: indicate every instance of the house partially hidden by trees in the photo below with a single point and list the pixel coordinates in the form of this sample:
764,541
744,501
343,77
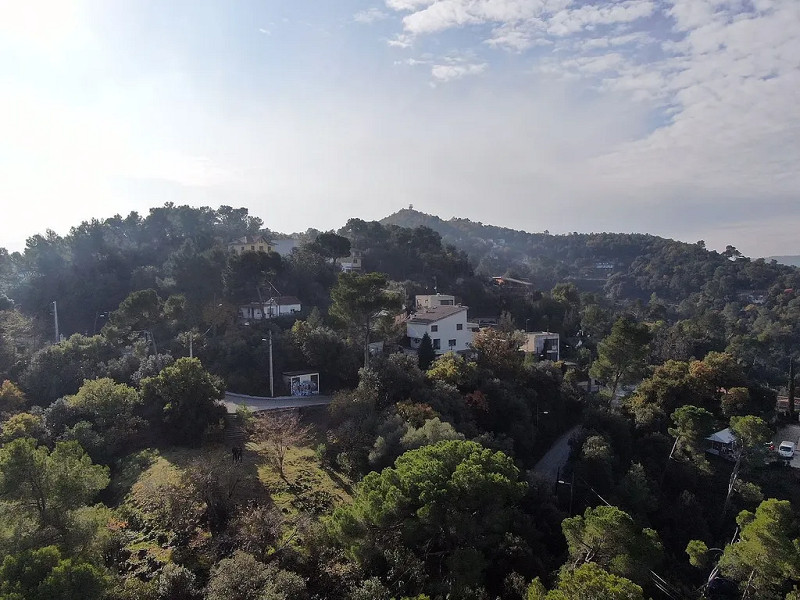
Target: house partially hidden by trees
544,344
722,443
444,321
512,285
277,306
251,243
352,262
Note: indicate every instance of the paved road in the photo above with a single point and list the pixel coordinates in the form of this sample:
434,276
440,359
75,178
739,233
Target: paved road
259,403
556,457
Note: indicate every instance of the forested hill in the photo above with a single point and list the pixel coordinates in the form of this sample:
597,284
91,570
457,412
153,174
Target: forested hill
623,265
169,272
793,260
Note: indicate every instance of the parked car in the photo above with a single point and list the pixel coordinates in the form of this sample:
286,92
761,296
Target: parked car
786,449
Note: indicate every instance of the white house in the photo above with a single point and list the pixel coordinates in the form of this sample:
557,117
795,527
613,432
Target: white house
277,306
544,344
446,325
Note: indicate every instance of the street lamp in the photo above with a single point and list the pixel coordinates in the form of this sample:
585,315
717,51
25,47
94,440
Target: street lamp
544,412
571,484
105,314
526,324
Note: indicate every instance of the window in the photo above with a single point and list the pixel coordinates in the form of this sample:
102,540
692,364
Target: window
446,303
437,344
451,343
459,326
252,247
434,328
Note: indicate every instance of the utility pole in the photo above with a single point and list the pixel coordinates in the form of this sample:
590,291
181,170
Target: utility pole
271,380
153,341
571,491
792,416
55,318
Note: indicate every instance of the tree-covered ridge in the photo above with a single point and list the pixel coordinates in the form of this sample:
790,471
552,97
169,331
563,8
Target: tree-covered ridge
791,260
630,264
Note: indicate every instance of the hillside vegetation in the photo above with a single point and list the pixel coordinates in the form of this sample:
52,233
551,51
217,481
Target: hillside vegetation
124,477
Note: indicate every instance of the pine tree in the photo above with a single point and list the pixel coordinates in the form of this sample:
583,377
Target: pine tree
426,354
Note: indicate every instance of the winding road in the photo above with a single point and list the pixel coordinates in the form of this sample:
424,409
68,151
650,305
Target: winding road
556,457
260,403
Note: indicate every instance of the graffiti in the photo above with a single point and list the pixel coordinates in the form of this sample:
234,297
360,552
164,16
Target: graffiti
304,388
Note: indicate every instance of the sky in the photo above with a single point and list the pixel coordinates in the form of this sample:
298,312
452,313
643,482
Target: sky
679,118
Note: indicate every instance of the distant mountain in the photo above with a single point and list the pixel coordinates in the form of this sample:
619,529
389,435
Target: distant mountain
628,265
503,251
791,260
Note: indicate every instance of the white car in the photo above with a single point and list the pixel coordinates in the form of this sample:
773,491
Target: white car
786,449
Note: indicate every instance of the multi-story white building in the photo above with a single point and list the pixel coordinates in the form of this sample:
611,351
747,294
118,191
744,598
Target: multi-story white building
444,322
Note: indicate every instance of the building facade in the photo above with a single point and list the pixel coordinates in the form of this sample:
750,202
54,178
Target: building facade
352,262
544,344
250,243
434,300
278,306
446,325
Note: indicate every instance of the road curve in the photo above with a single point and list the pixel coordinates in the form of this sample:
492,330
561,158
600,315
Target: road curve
260,403
557,456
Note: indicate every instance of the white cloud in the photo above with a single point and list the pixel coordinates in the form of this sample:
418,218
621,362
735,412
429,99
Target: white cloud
456,71
736,91
591,65
370,15
408,4
401,41
517,24
570,21
636,38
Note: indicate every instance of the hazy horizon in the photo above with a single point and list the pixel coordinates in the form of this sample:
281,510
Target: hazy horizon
679,118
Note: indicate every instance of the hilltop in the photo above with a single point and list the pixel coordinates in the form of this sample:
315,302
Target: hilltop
621,265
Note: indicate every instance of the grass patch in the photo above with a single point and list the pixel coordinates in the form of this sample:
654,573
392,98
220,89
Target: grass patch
307,488
166,516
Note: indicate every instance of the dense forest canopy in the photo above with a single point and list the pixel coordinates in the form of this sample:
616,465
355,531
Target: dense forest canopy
422,478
